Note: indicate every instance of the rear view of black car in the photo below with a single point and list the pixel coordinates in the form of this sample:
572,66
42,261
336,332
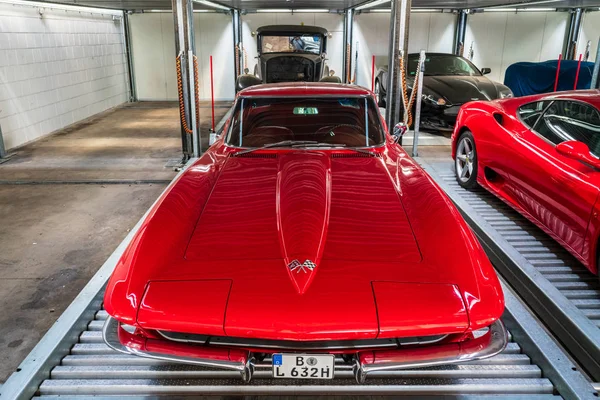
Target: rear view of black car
449,82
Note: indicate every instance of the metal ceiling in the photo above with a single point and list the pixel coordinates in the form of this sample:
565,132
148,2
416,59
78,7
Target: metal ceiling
330,4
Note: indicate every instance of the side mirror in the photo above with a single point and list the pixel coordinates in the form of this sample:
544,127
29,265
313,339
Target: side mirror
399,130
486,71
578,151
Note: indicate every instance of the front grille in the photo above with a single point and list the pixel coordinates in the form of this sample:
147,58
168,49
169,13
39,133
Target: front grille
289,69
300,345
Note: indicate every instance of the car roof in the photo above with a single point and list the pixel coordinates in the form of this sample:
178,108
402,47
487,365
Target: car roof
591,96
293,89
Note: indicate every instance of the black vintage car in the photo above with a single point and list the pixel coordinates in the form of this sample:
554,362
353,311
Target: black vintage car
289,53
449,81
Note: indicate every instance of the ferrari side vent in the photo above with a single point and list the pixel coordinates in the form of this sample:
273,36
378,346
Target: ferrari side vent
499,118
355,155
255,155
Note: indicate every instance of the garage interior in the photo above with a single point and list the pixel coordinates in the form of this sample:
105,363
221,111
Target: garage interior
93,120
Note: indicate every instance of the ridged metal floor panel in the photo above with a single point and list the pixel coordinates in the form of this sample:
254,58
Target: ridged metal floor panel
558,288
549,258
92,368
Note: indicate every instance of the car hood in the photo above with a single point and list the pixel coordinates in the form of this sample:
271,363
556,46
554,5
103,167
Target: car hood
301,208
461,89
303,245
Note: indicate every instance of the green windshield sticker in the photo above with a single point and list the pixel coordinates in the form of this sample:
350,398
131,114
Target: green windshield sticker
305,110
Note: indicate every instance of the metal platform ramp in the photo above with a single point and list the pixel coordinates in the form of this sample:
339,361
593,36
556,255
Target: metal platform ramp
552,282
92,368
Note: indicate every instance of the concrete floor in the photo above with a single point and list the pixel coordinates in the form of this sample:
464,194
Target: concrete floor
53,237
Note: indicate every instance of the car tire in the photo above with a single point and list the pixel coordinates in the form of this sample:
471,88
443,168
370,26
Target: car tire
378,94
466,161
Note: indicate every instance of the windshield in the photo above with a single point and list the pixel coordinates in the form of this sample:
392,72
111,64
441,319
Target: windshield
442,64
352,122
306,43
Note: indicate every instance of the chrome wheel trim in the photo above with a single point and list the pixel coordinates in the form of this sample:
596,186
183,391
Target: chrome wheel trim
465,153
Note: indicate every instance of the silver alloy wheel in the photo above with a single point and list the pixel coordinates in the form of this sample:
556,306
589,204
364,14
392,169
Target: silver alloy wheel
465,154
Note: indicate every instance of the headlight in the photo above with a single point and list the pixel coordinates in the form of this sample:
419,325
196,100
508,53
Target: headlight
438,101
506,94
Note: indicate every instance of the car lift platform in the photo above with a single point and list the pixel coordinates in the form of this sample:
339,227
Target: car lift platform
72,361
558,288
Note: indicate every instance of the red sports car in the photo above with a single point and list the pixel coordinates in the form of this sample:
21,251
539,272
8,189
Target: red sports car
540,155
305,231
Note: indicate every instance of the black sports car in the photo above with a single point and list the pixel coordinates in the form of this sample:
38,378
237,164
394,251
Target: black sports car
449,82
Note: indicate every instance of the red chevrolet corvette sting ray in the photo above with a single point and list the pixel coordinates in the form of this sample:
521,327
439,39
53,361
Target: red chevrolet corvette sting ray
540,155
305,231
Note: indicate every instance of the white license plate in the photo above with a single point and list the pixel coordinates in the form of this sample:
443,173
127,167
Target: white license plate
303,366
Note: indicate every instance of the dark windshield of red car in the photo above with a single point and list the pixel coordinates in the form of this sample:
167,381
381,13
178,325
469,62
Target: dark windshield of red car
352,122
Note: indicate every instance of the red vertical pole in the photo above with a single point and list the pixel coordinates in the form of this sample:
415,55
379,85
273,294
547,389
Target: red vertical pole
557,72
577,74
212,94
373,75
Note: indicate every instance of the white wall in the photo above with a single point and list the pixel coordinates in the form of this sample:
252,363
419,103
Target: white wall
590,30
433,32
153,48
57,69
334,23
502,38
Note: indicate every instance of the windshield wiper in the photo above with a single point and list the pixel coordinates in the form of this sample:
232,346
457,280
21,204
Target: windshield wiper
283,143
333,145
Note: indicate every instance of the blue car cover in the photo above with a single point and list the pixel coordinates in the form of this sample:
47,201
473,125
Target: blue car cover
525,78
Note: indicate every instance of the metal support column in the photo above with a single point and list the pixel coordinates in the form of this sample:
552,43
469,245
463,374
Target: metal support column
419,88
461,28
184,49
2,149
399,21
570,46
237,43
129,55
348,22
596,72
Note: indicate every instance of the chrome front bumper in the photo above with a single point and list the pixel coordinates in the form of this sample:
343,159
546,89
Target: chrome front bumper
487,345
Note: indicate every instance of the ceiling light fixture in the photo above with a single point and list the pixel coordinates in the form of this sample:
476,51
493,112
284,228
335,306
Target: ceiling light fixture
274,10
537,9
524,9
523,4
169,11
211,4
372,4
310,10
413,10
66,7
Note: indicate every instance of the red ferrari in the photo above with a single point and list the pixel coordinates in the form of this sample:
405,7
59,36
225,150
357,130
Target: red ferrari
540,155
305,231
